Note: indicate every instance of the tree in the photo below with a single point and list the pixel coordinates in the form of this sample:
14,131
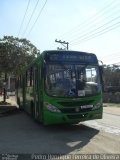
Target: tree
112,77
15,55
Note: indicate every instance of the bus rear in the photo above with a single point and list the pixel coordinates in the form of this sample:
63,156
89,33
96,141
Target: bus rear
72,87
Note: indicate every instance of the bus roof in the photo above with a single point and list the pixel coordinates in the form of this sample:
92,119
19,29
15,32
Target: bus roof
64,56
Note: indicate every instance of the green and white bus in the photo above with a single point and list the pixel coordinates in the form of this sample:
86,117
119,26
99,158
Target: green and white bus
62,87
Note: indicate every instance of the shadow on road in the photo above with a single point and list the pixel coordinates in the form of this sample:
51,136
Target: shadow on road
21,134
73,137
8,110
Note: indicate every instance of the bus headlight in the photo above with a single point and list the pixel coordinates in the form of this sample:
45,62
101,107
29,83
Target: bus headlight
52,108
97,105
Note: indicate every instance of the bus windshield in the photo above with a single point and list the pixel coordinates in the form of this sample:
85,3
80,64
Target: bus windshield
72,80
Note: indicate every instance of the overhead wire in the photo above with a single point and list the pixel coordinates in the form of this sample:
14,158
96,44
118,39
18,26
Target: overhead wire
93,31
92,19
107,29
23,18
112,54
37,18
92,34
115,63
30,18
91,27
89,32
111,57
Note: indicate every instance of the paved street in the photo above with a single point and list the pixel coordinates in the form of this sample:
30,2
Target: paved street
19,133
109,124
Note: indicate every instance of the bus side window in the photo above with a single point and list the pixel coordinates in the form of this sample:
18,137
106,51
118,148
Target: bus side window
29,77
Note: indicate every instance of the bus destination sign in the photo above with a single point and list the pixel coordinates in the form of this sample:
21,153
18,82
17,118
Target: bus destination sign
72,57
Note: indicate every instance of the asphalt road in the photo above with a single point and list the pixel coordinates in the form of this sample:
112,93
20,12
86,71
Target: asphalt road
19,133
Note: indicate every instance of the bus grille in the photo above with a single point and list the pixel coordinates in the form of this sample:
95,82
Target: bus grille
77,116
75,107
75,104
74,110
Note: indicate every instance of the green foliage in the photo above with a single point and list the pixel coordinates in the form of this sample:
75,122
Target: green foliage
112,75
112,84
15,54
110,97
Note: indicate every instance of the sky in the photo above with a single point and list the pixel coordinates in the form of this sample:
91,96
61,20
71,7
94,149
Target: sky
87,25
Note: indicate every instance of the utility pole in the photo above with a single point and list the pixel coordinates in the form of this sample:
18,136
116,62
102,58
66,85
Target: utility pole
63,43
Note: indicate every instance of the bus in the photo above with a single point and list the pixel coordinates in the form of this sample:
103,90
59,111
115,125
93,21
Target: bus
62,87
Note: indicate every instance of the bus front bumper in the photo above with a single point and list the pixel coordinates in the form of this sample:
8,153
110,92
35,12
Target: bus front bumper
61,118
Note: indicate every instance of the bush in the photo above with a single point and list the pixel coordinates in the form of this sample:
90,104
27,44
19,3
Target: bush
111,97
